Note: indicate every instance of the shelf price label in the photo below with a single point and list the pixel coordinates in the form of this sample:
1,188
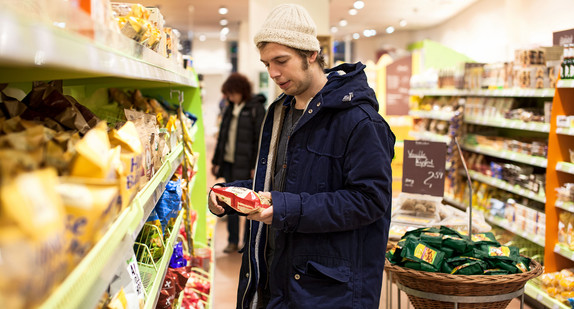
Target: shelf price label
424,167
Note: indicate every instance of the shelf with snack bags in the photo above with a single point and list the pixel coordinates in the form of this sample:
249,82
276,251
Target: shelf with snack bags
507,154
509,124
35,48
429,136
542,297
501,184
508,92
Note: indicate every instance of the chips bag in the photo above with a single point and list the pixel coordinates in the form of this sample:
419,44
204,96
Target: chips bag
241,199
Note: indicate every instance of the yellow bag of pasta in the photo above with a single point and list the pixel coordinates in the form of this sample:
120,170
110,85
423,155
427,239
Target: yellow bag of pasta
90,206
131,157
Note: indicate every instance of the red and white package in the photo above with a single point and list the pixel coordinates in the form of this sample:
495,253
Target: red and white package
241,199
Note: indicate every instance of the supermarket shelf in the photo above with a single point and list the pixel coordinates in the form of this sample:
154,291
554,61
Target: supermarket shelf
439,115
501,184
508,155
428,136
511,92
153,297
564,251
454,202
569,206
537,239
509,124
565,131
542,297
56,53
80,283
150,195
565,167
565,83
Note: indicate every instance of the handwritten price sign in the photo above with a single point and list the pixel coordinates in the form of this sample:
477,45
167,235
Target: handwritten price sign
424,167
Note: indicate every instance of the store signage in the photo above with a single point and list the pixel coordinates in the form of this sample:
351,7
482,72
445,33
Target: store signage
561,38
398,86
424,167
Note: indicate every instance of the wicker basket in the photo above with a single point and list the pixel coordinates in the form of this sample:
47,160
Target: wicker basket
460,285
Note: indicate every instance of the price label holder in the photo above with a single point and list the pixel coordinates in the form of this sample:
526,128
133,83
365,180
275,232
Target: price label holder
424,167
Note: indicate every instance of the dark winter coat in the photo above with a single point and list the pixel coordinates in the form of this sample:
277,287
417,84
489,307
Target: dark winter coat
332,220
246,143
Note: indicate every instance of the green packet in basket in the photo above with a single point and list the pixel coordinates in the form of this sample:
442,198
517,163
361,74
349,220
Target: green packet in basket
448,251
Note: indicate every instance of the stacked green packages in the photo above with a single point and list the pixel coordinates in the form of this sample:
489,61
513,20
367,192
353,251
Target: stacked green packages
442,249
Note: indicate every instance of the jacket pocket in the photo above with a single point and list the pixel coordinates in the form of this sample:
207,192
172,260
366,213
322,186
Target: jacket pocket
325,282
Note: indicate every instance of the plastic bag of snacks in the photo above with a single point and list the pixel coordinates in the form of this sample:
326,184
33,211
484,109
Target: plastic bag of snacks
241,199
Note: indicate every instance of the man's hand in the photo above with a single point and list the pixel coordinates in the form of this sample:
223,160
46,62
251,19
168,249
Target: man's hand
213,204
265,215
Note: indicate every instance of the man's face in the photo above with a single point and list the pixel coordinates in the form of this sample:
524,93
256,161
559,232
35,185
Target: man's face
287,69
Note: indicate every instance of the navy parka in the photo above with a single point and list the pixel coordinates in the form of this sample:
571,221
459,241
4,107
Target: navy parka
332,220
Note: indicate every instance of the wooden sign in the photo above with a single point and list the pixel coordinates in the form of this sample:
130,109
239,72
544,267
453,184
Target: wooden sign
424,167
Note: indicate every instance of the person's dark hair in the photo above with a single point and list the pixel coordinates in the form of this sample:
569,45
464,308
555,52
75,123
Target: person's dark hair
304,54
237,83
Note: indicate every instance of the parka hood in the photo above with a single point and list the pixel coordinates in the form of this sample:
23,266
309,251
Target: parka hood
347,84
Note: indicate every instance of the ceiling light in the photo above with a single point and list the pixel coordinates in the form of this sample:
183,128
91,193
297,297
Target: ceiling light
223,38
224,31
202,37
359,4
369,32
223,22
342,22
356,35
334,29
353,12
390,29
223,10
402,23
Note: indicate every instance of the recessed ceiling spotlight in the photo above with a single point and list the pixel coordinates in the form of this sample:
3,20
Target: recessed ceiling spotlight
369,32
353,11
356,35
343,22
223,10
223,22
334,29
202,37
359,4
402,23
390,29
224,31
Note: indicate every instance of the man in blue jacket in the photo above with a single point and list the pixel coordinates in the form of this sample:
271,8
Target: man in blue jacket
325,162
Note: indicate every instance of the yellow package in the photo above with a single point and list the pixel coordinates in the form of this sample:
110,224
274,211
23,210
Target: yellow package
131,157
31,238
92,158
90,206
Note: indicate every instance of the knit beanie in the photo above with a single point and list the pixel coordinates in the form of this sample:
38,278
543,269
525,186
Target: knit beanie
289,25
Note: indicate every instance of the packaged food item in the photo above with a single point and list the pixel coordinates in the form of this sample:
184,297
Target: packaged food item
243,200
418,251
476,267
131,157
93,155
90,205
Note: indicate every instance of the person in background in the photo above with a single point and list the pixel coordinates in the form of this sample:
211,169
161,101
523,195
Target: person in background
236,149
325,163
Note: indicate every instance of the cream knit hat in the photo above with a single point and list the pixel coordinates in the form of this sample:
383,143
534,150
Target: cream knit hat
289,25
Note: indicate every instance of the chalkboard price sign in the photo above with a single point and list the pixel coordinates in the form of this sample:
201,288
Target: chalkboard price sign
424,167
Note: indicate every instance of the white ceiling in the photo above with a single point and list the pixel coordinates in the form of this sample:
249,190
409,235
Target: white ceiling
195,17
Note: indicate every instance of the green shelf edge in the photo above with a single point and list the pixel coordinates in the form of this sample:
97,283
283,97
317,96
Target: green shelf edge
565,167
568,206
509,124
508,155
509,92
564,251
71,292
